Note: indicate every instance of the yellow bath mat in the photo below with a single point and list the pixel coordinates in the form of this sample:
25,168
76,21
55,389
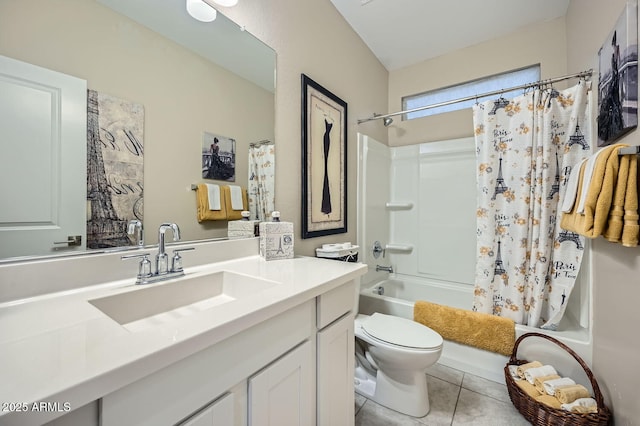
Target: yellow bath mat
484,331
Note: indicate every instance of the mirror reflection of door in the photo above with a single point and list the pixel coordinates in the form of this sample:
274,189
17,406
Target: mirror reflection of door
43,149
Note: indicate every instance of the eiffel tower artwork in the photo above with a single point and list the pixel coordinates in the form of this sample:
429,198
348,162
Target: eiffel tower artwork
500,185
499,267
104,228
497,104
570,236
555,188
578,138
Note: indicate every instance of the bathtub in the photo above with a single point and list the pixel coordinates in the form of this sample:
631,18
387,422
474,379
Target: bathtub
396,296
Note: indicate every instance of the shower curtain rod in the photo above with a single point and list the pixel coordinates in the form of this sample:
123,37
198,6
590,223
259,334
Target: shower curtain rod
482,95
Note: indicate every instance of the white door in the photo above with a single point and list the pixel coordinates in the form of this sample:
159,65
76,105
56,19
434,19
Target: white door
283,393
43,142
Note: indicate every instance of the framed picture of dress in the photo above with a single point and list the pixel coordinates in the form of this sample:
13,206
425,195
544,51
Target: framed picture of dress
324,161
618,83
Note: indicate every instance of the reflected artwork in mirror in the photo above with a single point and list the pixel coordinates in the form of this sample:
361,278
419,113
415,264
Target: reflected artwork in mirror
189,77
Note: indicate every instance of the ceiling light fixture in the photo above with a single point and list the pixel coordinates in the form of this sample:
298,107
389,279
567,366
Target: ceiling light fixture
201,11
226,3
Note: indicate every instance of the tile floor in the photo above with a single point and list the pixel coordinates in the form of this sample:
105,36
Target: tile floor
457,398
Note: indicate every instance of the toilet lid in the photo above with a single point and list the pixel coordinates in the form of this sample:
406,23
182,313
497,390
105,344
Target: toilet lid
401,332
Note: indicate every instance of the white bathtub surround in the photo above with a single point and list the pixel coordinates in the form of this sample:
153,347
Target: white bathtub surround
55,346
398,298
526,264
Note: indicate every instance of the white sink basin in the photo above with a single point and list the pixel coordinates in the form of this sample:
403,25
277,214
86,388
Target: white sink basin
159,303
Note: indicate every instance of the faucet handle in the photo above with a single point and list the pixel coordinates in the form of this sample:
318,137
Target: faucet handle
176,260
144,268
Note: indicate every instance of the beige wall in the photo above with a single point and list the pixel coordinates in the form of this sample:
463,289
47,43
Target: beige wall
311,37
616,269
542,44
182,94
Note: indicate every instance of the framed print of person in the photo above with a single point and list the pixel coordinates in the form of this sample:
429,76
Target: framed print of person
618,83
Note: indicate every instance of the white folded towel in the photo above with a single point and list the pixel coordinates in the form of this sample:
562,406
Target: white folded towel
513,370
582,405
236,197
550,386
213,193
532,373
586,179
572,188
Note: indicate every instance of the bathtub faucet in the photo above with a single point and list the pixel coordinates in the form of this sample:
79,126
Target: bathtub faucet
388,269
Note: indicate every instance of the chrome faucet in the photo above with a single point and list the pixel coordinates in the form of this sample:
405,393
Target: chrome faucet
135,227
388,269
162,272
162,260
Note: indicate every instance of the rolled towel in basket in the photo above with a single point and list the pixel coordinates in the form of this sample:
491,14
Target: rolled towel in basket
528,388
568,394
531,373
524,367
549,400
550,386
539,382
582,406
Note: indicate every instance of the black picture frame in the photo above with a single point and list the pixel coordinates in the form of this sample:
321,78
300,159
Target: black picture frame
324,161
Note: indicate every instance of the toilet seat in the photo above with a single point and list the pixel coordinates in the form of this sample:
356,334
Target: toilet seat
401,332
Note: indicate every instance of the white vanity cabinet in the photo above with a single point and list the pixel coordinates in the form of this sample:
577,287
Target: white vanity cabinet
335,341
283,393
293,369
184,391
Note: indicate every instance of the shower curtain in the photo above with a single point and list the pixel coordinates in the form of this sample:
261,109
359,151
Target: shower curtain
261,186
526,264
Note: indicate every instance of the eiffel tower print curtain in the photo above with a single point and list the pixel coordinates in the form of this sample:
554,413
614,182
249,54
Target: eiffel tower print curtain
526,264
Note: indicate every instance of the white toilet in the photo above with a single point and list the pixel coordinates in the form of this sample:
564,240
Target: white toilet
392,354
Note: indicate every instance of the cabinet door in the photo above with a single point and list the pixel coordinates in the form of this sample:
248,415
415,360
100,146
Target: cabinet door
220,413
335,373
283,393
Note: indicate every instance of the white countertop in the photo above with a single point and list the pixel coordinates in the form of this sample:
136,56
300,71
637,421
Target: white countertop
60,348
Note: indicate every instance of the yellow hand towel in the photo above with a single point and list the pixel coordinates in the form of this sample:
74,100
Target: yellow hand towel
525,367
598,196
528,388
233,214
631,229
477,329
203,212
549,400
568,394
539,381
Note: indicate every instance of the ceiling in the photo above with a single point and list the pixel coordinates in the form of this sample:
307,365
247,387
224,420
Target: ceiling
404,32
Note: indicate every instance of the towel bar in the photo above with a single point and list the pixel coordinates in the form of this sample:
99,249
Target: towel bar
399,205
629,150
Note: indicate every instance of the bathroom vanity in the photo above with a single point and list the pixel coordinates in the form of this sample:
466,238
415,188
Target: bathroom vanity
243,342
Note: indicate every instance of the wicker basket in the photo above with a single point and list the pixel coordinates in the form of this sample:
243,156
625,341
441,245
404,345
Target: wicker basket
541,414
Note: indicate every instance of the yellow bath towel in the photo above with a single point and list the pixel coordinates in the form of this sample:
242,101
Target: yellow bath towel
631,230
231,213
624,205
568,394
202,206
484,331
599,196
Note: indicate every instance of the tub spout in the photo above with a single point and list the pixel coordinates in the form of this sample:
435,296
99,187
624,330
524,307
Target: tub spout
388,269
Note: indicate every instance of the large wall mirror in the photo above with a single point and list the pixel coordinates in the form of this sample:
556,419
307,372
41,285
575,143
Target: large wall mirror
190,79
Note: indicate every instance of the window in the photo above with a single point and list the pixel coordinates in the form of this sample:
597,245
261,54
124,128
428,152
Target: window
472,88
